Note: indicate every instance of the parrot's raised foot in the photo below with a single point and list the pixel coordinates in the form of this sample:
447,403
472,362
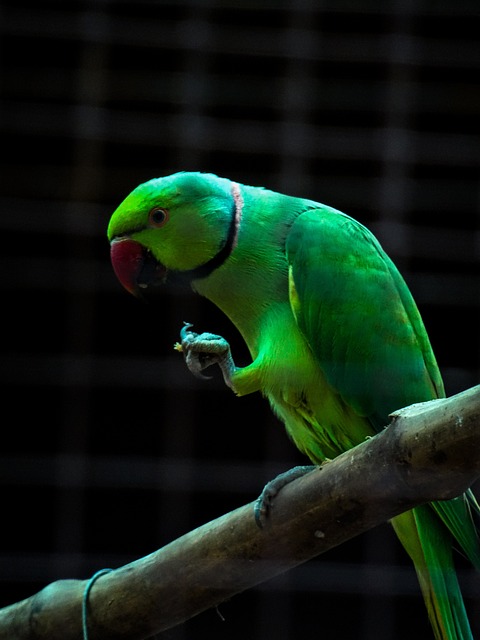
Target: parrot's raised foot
265,500
201,350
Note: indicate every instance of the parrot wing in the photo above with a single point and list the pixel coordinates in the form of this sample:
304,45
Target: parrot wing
358,316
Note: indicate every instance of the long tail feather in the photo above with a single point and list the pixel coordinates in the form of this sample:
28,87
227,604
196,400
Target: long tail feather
459,516
429,544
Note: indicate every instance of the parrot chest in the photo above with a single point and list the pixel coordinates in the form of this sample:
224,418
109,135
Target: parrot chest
317,420
320,423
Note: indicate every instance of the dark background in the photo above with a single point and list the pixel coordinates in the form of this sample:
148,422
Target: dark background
110,448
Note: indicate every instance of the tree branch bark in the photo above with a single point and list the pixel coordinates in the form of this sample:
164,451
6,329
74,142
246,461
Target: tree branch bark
431,451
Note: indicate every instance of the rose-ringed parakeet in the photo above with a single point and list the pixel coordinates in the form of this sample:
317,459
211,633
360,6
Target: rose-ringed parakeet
336,340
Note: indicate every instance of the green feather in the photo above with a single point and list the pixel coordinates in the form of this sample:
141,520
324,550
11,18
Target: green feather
358,316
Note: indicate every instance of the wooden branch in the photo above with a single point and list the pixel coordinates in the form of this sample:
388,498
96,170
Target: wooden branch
430,451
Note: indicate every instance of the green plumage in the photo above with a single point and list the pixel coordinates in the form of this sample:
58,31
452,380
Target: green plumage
336,340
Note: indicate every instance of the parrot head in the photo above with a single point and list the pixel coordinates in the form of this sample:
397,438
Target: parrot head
180,225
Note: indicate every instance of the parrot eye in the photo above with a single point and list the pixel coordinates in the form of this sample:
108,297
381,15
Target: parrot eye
158,217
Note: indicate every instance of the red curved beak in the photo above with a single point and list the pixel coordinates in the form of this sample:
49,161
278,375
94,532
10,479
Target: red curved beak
134,266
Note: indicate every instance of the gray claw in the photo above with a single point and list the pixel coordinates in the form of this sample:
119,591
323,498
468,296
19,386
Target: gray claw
202,350
196,363
185,334
264,502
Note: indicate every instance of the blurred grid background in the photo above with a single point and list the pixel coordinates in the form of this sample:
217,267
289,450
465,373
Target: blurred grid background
110,448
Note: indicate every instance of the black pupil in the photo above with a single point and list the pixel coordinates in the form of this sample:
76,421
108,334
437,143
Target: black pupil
158,216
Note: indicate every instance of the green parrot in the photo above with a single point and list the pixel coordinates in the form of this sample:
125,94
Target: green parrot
336,340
